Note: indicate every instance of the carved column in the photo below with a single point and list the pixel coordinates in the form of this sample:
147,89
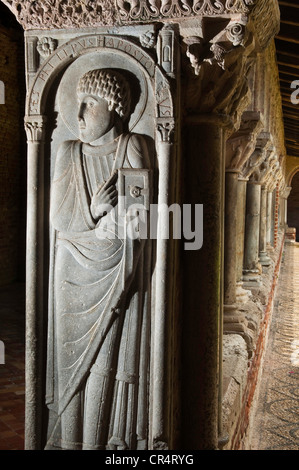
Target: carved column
165,131
253,170
241,293
203,302
35,127
269,219
269,167
215,103
231,193
252,268
284,196
271,185
264,259
238,150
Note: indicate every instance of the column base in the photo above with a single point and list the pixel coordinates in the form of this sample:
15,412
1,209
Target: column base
222,441
264,258
235,323
233,320
242,295
251,279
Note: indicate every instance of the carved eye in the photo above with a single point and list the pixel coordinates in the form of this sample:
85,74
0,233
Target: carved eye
90,104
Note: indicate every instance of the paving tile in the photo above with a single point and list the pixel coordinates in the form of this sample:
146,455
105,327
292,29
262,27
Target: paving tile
276,421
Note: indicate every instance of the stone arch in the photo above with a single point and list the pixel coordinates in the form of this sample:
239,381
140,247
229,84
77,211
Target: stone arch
67,53
291,175
293,200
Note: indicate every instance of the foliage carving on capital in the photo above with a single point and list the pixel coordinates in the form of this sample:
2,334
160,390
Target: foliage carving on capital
241,144
253,168
34,127
165,129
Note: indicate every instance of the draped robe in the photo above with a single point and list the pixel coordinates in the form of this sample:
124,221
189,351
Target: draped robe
98,312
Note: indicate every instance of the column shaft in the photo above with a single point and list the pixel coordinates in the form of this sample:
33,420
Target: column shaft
230,237
202,307
269,218
252,267
34,297
264,259
241,294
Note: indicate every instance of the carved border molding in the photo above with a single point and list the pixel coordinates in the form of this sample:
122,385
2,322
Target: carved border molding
49,14
151,9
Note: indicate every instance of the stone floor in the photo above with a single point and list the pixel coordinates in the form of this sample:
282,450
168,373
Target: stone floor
276,422
12,382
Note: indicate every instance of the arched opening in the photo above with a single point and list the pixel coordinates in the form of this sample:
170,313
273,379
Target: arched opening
293,205
12,231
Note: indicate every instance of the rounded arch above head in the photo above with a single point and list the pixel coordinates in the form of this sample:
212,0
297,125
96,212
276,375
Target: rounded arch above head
117,49
291,175
94,65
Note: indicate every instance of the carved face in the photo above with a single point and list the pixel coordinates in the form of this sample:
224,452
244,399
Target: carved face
95,118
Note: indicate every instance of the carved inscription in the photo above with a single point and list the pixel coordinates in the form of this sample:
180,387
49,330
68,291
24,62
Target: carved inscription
73,49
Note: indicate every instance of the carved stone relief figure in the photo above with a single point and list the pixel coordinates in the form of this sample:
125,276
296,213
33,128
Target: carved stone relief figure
98,332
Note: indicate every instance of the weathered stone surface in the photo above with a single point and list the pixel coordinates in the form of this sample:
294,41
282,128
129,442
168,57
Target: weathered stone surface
114,120
69,13
235,358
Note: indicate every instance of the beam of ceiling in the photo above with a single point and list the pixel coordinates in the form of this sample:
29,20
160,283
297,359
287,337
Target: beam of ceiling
287,41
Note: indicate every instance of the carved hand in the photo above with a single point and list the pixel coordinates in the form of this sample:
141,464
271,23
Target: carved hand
105,198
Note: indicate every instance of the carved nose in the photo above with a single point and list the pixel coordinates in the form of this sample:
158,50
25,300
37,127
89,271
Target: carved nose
80,113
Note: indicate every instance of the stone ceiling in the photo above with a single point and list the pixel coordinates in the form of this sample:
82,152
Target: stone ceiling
287,45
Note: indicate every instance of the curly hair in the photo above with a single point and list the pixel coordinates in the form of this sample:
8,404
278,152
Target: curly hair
109,85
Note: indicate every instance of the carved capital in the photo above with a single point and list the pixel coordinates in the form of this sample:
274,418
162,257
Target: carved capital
253,168
286,192
165,130
215,50
221,60
241,144
34,127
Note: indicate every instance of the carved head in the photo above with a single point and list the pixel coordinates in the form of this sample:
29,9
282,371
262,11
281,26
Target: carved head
103,95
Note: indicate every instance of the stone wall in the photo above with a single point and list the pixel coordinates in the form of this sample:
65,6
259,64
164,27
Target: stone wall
12,157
